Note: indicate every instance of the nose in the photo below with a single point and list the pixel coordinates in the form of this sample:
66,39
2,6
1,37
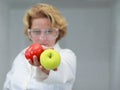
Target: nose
42,37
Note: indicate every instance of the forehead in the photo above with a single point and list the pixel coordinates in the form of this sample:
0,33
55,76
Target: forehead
41,23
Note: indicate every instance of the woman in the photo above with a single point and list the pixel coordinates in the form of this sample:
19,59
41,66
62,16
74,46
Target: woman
44,25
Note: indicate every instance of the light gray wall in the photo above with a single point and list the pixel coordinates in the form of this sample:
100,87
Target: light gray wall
88,37
4,42
93,34
115,60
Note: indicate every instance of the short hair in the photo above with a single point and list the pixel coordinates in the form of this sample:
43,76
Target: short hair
43,10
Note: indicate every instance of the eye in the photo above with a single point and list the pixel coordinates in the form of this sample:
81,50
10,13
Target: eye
37,32
49,31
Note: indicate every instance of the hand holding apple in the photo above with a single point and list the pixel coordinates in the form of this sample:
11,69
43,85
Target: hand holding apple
34,49
50,59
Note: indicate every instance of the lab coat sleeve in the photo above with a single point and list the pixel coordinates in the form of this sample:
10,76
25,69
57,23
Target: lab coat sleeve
39,75
66,71
7,83
18,65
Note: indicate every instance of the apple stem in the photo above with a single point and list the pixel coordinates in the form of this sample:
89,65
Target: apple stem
50,55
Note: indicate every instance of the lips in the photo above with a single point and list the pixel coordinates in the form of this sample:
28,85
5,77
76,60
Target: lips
44,46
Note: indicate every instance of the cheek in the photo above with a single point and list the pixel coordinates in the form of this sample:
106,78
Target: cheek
35,40
52,43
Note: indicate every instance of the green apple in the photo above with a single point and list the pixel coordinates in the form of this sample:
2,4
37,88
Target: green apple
50,59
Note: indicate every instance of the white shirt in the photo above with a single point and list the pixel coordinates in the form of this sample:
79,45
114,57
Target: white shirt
24,76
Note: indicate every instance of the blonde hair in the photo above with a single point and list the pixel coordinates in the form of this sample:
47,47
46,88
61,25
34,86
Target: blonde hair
42,10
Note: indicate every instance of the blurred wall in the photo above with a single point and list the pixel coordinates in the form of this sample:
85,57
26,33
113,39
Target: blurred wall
115,59
4,41
90,36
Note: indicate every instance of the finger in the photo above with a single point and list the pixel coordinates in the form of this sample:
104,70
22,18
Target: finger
36,61
30,62
44,70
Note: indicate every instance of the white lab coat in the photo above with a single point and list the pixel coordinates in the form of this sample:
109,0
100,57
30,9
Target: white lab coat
23,76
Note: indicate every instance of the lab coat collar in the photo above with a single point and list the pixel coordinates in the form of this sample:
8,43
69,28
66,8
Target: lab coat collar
57,47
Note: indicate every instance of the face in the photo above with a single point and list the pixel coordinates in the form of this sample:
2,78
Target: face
42,33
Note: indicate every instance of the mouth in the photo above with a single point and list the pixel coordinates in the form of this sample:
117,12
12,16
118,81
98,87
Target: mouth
44,45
